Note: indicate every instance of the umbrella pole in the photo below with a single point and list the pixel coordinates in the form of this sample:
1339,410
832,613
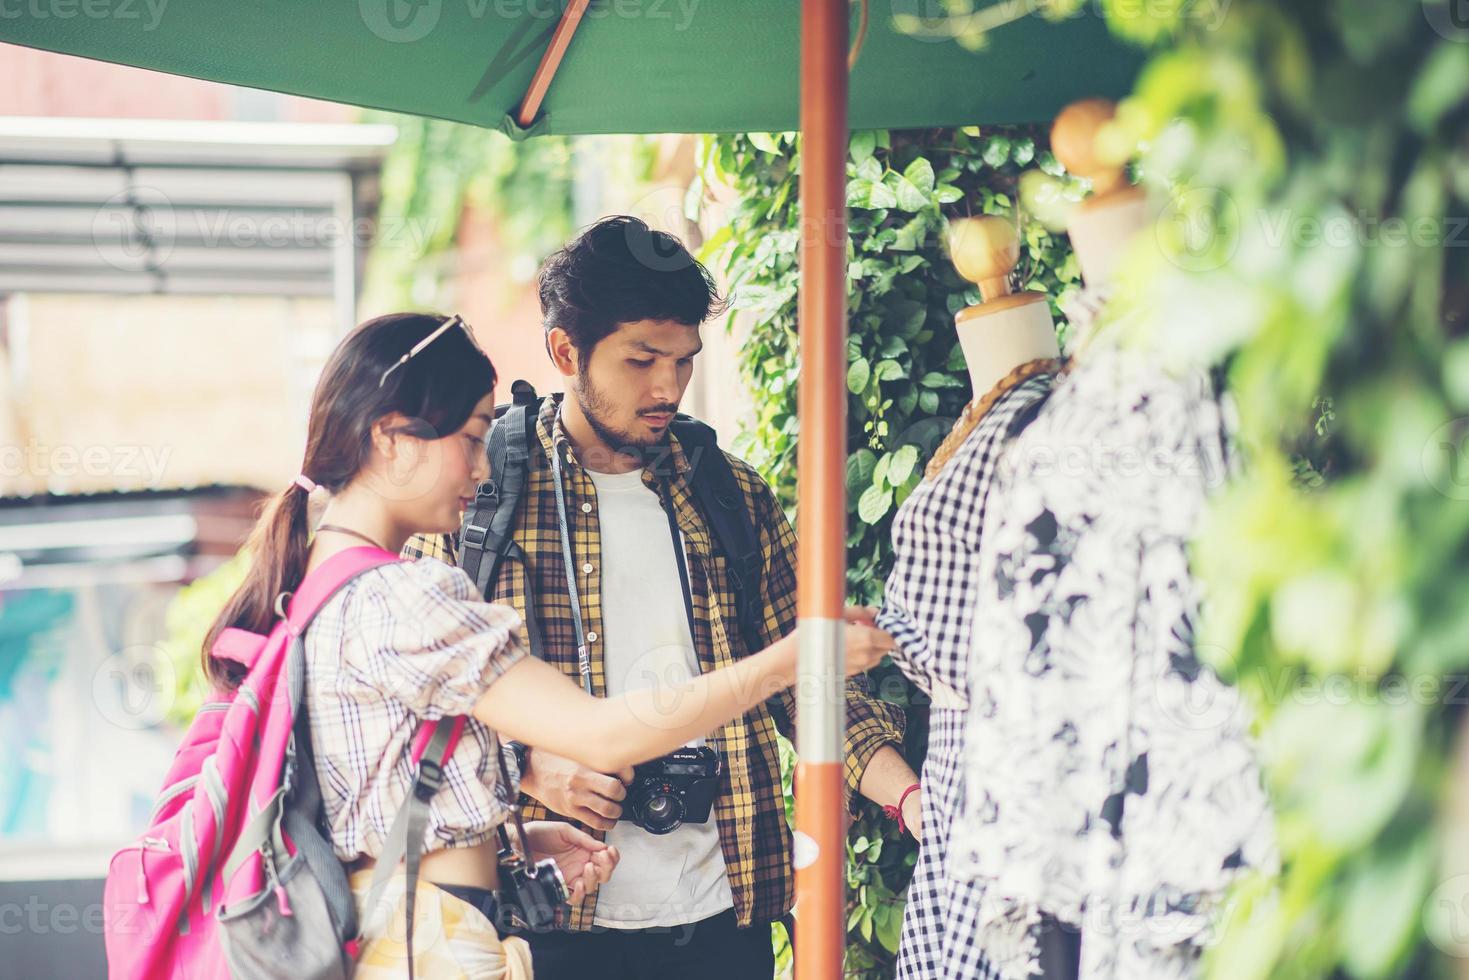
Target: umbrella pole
821,826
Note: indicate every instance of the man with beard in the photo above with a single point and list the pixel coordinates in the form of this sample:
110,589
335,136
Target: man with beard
622,306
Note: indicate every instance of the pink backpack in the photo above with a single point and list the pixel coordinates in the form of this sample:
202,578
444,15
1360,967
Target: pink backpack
235,875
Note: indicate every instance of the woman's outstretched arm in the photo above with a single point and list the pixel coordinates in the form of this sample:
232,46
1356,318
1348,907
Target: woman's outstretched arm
534,703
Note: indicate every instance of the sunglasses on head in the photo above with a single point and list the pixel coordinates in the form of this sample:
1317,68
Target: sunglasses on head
451,322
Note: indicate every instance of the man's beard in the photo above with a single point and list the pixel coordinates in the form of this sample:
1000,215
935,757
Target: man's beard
598,412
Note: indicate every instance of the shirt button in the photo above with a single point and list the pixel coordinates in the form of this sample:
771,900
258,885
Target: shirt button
587,568
592,637
586,508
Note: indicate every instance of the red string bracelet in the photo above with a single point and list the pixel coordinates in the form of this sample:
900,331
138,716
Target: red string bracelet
896,812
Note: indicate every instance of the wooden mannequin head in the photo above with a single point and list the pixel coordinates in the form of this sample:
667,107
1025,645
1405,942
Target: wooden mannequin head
1104,225
1007,328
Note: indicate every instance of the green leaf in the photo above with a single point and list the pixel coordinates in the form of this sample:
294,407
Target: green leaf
1382,908
873,504
863,143
938,379
858,374
880,471
1442,84
889,931
870,169
927,433
910,317
889,370
928,402
996,151
919,173
948,194
1023,151
911,235
859,470
881,196
909,197
764,141
904,459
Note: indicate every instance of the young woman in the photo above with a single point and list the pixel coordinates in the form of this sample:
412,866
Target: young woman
397,437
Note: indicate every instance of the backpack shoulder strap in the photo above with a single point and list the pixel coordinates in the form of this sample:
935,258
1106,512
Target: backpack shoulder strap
487,535
328,578
718,491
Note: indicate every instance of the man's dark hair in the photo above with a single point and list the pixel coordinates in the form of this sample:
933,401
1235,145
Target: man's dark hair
620,271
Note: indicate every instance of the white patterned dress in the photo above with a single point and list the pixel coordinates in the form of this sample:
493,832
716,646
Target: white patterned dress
1111,782
927,608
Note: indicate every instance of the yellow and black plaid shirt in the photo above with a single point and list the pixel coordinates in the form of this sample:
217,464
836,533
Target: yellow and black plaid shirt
754,836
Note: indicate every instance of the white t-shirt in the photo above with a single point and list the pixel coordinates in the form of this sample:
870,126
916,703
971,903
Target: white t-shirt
675,878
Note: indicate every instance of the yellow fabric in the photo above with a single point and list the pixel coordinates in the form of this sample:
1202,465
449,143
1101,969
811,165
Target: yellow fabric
451,938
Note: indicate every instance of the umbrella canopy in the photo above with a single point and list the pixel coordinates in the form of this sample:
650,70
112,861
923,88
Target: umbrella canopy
633,66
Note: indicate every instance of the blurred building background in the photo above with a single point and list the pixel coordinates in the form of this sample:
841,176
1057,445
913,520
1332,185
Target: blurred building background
177,260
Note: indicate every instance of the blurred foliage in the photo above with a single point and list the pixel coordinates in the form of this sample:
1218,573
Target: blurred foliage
186,623
434,171
906,376
1310,163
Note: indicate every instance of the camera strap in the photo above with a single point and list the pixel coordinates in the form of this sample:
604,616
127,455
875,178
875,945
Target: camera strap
506,845
583,654
678,556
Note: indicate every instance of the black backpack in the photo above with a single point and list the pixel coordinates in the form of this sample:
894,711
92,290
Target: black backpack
486,537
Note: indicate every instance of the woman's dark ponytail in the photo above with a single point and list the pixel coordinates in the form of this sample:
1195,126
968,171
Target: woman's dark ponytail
279,546
436,391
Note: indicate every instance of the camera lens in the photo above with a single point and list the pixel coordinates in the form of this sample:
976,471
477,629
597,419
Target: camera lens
663,814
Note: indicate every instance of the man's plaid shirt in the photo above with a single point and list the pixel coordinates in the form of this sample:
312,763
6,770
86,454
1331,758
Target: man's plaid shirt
754,836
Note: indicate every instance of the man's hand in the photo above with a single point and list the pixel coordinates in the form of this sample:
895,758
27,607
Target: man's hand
572,790
585,862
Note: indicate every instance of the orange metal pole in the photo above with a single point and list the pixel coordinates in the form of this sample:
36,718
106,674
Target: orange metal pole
821,824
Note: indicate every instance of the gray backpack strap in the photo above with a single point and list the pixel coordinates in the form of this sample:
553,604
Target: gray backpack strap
405,838
301,807
486,537
718,492
302,821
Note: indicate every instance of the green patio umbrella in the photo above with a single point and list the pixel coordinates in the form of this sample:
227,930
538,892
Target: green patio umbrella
632,66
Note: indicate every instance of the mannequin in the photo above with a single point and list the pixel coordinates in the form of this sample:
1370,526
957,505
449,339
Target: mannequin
1104,225
1006,329
1094,797
1010,348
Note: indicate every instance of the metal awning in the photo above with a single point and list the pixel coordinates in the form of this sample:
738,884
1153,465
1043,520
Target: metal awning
141,206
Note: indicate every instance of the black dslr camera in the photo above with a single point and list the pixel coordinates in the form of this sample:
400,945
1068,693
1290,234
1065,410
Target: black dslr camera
677,789
529,896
